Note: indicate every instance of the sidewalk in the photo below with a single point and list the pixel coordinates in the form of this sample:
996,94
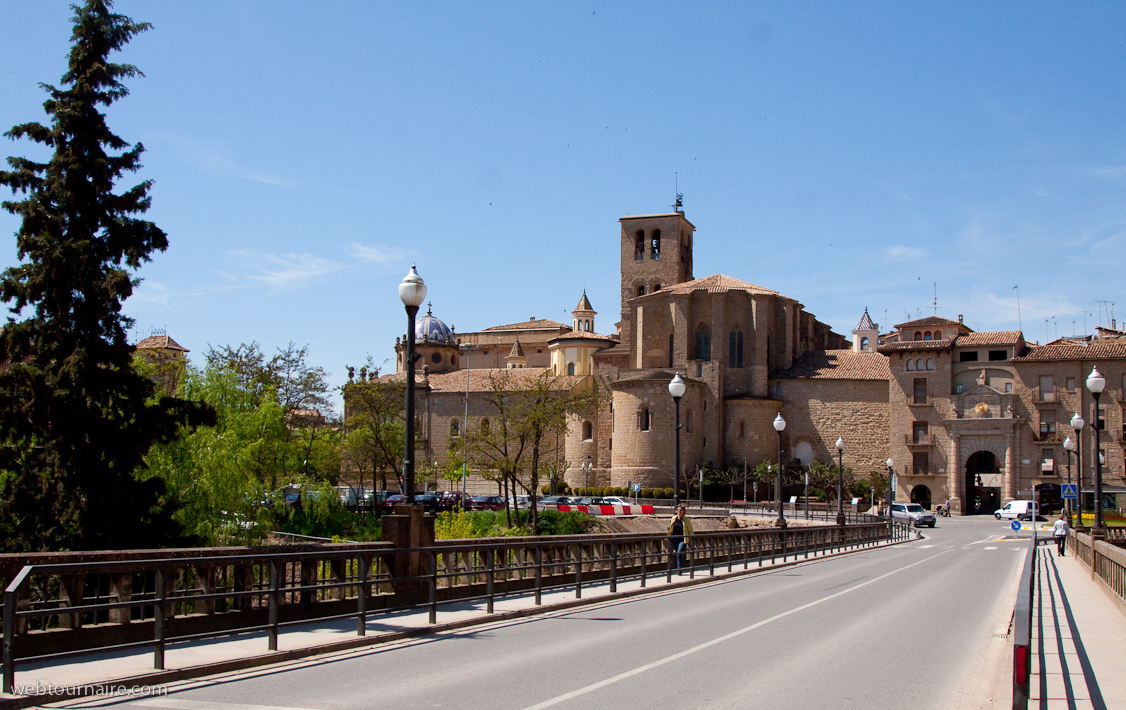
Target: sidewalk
1077,639
197,658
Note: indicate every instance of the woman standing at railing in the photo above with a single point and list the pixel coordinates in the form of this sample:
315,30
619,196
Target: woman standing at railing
680,529
1059,532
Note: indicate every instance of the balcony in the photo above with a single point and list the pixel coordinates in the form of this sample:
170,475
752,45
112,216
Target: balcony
923,440
984,406
1046,437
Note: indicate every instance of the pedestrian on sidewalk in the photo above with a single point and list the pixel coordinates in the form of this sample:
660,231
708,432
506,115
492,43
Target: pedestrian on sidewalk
680,530
1059,532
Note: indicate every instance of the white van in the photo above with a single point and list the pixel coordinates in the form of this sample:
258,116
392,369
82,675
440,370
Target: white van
1018,509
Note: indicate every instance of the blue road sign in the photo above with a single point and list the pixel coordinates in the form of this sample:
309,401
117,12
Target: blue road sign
1015,525
1069,491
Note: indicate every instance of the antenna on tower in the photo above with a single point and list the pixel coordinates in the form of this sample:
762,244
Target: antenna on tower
678,206
934,303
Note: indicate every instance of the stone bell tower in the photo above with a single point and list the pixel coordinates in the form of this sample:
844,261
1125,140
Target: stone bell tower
656,253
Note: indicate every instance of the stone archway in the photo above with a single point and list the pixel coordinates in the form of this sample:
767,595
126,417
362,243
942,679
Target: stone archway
983,485
922,495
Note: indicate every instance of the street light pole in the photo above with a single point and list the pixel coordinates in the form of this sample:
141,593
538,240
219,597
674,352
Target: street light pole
891,488
840,481
1077,424
676,389
779,426
412,291
1068,446
1096,383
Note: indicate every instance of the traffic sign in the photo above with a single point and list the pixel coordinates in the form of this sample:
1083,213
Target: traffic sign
1069,491
1015,525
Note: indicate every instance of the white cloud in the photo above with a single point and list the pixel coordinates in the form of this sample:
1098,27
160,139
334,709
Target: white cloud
903,253
215,159
283,272
375,252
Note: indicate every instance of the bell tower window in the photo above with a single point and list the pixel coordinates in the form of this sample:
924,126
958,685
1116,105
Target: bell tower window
639,246
655,248
703,344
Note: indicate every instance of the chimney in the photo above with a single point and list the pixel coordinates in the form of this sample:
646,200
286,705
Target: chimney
959,319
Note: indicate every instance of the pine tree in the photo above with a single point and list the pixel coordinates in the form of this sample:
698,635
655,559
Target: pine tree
75,418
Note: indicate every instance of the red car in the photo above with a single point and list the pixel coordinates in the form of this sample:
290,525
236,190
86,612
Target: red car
387,505
452,500
486,503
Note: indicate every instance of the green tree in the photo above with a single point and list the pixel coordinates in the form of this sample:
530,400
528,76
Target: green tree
76,418
374,427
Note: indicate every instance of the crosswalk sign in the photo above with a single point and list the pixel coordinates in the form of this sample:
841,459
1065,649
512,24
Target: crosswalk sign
1069,491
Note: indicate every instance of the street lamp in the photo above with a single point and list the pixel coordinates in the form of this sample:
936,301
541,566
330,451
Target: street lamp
1068,446
840,481
891,488
1096,383
676,389
779,426
1077,424
412,291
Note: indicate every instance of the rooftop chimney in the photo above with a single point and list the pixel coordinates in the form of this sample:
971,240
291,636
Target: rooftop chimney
959,319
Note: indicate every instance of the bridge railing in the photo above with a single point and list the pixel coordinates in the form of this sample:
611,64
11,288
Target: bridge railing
1105,559
65,609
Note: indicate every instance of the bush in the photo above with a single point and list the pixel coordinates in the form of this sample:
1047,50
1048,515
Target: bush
646,493
453,526
546,489
666,493
552,522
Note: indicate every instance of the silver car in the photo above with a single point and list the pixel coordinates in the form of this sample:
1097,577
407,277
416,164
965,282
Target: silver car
913,513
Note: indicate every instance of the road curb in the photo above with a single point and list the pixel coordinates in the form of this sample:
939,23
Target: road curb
106,689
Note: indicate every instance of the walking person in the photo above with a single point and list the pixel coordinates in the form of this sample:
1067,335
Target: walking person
1059,532
680,530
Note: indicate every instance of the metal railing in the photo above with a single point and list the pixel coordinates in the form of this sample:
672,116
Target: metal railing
1022,629
1105,560
57,611
796,511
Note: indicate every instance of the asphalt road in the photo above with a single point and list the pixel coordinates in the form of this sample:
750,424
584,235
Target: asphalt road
888,628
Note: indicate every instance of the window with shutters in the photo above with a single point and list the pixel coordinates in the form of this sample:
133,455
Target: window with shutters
920,393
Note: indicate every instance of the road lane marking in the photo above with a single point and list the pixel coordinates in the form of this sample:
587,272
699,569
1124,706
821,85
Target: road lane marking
173,703
991,547
925,547
708,644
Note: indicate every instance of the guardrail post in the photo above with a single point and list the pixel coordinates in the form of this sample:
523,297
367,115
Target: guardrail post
490,577
433,587
577,552
644,558
273,602
539,575
613,567
783,546
158,629
691,558
668,562
363,571
11,599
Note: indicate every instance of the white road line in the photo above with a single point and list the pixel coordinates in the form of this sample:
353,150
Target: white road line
991,547
174,703
708,644
924,547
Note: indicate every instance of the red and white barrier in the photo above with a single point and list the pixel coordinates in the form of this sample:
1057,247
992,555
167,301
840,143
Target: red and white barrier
608,509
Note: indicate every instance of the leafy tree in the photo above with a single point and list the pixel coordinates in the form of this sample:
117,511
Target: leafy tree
375,431
76,418
731,476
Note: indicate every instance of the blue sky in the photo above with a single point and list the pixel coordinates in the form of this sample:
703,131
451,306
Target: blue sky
848,155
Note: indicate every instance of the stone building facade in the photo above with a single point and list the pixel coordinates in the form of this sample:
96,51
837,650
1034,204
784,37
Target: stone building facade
976,418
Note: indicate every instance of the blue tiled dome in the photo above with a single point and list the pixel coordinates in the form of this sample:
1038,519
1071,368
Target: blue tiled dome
429,328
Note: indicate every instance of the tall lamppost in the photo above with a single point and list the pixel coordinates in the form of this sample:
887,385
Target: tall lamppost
1068,446
1096,383
779,426
840,481
891,487
412,291
676,389
1077,424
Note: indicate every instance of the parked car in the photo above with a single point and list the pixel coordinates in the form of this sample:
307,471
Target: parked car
597,500
1019,509
615,500
486,503
388,504
430,502
450,500
553,501
913,513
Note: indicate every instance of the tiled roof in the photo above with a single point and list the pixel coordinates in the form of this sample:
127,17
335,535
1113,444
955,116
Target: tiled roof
529,325
584,335
482,380
929,321
161,341
717,283
995,337
910,345
516,351
584,303
840,365
1094,351
865,322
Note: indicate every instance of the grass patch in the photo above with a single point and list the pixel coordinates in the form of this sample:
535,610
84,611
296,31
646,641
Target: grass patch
491,523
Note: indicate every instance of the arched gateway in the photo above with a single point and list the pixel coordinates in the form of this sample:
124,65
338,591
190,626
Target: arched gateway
983,484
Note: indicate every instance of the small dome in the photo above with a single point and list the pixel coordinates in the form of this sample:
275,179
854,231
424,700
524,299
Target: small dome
430,329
